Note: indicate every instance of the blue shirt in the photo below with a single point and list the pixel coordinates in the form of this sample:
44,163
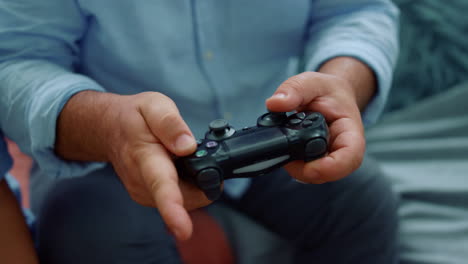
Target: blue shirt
215,59
5,159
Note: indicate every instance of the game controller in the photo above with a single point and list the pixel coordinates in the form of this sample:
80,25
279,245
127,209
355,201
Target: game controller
277,139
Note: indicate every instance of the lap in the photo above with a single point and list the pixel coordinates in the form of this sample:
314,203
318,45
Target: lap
349,221
92,219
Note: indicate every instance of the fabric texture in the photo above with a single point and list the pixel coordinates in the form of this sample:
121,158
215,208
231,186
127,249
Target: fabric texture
433,54
5,159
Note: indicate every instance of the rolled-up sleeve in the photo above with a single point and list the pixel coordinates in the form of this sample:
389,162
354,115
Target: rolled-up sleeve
363,29
39,47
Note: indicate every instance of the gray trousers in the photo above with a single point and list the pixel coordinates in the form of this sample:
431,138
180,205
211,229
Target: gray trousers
93,220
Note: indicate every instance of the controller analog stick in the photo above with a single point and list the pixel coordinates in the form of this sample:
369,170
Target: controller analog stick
272,119
220,129
219,126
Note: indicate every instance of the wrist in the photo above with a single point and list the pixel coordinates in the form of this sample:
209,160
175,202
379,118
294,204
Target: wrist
86,126
360,78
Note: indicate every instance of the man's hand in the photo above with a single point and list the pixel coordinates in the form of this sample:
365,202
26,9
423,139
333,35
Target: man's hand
341,88
139,135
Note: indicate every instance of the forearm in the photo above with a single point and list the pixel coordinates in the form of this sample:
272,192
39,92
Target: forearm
33,94
365,30
84,127
16,245
357,74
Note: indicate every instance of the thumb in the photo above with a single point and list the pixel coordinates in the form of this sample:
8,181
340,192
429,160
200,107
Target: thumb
295,92
166,123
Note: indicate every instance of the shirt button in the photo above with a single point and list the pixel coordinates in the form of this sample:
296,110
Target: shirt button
208,55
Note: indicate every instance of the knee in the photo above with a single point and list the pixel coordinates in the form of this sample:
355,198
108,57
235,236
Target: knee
361,218
374,223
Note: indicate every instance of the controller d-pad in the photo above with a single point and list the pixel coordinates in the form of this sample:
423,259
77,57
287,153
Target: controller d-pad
313,117
315,147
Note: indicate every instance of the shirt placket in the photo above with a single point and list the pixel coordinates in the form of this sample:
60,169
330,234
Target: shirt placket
210,53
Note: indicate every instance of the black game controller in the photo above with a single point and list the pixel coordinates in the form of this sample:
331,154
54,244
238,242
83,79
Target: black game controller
277,139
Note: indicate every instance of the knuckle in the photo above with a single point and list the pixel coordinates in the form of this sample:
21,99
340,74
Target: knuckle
140,199
356,162
156,100
169,119
296,83
136,155
155,185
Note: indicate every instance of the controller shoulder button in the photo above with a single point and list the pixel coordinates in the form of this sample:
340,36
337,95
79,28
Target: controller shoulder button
211,144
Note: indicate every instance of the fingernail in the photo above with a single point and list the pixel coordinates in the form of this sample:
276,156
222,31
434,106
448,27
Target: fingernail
184,143
279,95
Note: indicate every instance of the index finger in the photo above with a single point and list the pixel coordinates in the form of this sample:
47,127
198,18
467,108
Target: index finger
160,176
345,156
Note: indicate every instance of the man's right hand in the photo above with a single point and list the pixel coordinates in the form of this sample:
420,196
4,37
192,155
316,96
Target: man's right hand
138,134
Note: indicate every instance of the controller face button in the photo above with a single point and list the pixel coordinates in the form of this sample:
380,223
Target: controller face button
300,115
294,121
211,144
201,153
307,123
314,117
315,147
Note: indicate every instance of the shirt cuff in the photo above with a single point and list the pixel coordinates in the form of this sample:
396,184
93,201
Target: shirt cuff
43,147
